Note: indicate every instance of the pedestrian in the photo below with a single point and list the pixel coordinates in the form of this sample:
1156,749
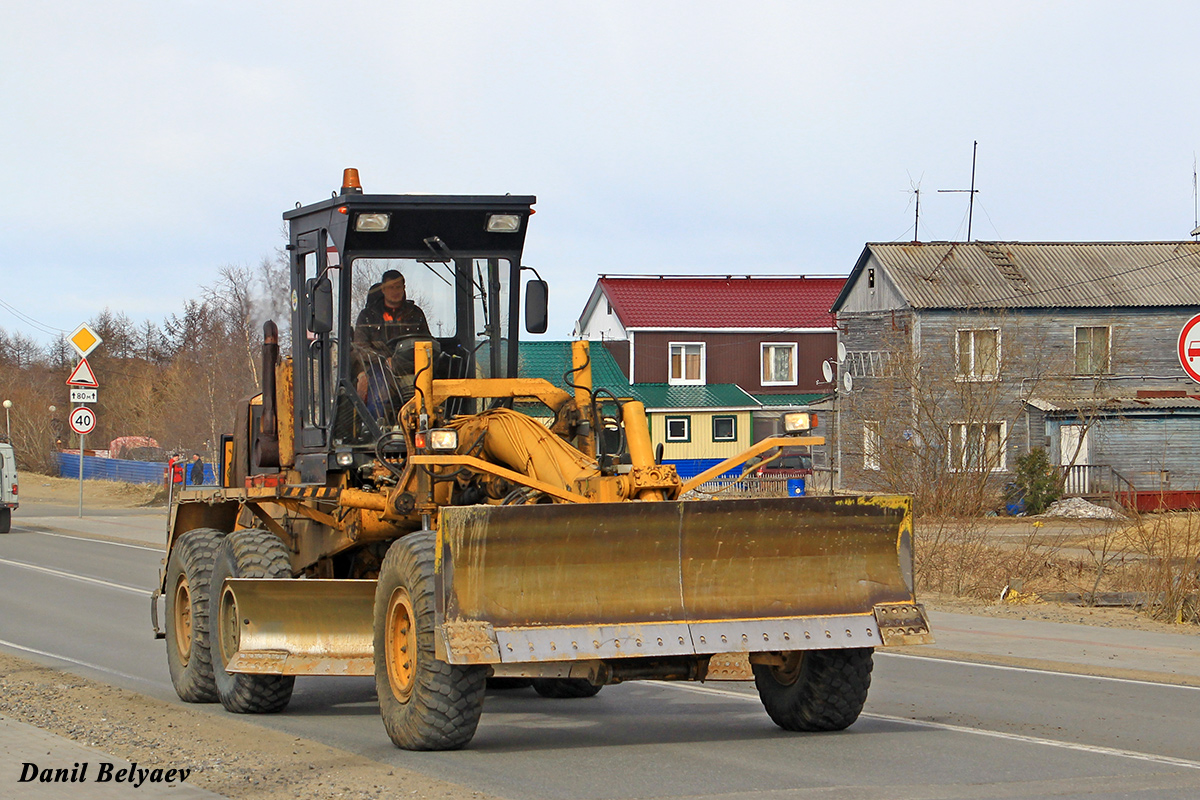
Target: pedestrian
197,470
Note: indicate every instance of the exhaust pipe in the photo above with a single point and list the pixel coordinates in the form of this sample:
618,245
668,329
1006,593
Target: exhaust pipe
266,443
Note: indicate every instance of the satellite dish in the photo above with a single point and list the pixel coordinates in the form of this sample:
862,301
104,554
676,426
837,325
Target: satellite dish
841,352
827,371
848,382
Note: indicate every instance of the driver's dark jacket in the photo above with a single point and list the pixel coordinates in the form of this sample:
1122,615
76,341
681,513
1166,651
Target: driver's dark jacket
377,325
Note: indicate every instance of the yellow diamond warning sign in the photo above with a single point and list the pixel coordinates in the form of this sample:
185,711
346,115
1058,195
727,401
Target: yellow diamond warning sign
84,340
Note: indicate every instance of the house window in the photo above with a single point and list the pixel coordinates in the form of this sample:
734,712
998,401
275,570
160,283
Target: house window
687,362
724,429
679,429
1092,349
872,445
979,354
779,364
977,447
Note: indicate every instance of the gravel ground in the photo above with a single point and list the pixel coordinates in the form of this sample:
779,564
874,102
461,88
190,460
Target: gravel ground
230,757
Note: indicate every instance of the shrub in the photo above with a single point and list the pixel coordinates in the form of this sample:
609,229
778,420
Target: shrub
1038,480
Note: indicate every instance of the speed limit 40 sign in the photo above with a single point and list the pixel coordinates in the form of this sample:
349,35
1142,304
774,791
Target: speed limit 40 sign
83,420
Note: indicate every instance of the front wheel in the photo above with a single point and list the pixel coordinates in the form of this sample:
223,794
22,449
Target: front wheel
426,704
815,690
246,554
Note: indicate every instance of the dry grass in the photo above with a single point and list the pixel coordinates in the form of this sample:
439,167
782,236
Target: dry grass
105,494
1153,561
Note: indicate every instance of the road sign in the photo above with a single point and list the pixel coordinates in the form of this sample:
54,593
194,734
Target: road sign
83,395
82,375
83,420
84,340
1189,348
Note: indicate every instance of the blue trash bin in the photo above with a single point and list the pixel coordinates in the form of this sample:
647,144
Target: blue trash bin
795,487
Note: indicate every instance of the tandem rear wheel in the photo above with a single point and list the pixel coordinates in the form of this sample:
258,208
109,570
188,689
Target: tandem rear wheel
245,554
426,704
189,574
815,690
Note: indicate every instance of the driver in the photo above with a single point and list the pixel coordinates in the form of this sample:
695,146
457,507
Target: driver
387,315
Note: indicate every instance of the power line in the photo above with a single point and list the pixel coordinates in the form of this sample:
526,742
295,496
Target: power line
41,326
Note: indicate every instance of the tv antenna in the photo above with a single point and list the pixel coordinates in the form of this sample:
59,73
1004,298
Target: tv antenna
972,190
916,191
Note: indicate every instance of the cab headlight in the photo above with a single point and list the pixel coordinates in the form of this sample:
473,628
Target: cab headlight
503,223
799,422
372,223
443,440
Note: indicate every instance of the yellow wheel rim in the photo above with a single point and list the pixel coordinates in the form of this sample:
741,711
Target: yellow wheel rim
400,637
790,671
183,620
231,636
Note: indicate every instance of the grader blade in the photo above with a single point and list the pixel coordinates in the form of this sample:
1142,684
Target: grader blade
272,626
578,582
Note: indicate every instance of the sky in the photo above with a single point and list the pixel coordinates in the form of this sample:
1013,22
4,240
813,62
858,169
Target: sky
144,145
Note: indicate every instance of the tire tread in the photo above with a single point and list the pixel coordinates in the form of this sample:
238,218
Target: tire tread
253,553
828,695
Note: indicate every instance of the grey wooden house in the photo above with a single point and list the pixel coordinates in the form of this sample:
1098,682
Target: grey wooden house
963,356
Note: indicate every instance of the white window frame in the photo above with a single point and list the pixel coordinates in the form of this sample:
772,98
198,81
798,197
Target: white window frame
687,428
973,373
872,445
960,430
763,349
1107,368
681,381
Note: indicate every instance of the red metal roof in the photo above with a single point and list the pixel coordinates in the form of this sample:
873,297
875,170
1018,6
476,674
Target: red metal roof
685,302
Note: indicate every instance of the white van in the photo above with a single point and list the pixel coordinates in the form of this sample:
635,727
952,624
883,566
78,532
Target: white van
8,486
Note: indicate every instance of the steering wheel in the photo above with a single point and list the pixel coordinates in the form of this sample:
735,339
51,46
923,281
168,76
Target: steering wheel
404,351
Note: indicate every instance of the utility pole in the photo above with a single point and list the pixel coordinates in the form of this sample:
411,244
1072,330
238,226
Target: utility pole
972,190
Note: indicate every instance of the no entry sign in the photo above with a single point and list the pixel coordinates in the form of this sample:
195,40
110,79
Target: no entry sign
1189,348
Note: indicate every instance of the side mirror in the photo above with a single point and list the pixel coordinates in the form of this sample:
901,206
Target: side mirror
537,298
320,305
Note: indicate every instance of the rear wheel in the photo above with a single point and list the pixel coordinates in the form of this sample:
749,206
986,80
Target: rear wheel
5,520
563,688
426,704
246,554
815,690
189,569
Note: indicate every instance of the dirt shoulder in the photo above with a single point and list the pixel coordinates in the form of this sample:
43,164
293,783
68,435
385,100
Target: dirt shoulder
233,758
37,488
1053,612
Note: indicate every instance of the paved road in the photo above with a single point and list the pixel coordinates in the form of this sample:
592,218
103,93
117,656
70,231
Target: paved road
933,727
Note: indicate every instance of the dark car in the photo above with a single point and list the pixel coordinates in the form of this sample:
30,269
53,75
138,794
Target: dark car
789,465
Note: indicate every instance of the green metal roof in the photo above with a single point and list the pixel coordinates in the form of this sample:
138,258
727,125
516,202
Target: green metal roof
712,395
790,399
552,360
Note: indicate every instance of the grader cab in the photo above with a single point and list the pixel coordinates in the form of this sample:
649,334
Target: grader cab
390,506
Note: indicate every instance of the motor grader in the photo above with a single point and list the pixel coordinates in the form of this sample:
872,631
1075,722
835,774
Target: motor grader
423,513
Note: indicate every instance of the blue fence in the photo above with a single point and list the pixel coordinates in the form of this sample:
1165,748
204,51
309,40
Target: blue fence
691,467
118,469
